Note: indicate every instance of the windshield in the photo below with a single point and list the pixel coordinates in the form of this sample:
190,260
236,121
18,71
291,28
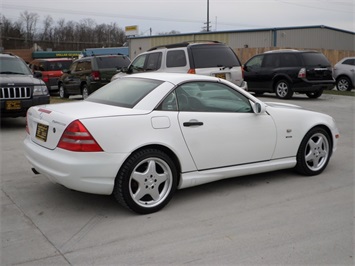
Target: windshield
124,92
14,65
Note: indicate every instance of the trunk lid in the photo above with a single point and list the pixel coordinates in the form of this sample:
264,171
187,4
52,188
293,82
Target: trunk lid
47,123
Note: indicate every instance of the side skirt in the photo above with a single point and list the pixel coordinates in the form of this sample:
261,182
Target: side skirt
202,177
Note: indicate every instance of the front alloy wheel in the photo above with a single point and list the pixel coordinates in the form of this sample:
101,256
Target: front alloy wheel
314,152
146,181
283,89
62,92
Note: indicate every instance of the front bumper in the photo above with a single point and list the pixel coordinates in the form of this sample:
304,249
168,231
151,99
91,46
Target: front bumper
25,105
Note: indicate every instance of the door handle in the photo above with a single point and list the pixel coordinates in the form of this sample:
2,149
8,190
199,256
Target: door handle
192,123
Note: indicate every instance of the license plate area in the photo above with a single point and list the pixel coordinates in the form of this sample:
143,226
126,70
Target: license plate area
220,75
13,105
42,132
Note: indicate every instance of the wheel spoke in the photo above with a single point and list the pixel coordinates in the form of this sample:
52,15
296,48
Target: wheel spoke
317,151
149,181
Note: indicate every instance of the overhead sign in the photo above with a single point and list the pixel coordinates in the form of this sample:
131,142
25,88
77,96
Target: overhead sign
131,30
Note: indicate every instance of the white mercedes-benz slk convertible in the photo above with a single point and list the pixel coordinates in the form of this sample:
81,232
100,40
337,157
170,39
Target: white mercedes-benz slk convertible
143,136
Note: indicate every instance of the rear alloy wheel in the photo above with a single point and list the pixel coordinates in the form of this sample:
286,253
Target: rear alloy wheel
62,92
283,89
343,84
314,152
314,95
146,181
85,91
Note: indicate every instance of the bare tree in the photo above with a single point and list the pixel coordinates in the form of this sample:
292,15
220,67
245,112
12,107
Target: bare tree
30,21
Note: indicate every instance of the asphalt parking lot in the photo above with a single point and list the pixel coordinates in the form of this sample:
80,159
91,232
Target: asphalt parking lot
278,218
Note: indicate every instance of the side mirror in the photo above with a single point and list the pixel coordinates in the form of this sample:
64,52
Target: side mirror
259,107
245,68
123,69
37,74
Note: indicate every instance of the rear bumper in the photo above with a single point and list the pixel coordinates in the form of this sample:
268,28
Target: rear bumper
313,86
91,172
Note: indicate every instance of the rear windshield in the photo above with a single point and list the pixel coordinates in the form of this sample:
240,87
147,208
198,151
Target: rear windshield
112,62
57,65
315,59
124,92
211,55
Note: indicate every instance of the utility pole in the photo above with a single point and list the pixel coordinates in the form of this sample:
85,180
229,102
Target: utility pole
208,15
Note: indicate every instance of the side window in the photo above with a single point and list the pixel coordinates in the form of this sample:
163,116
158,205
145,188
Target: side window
288,60
349,62
271,60
210,97
83,65
153,61
255,62
169,103
176,58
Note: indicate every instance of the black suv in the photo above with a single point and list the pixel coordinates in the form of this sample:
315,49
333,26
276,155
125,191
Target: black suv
287,71
19,88
88,74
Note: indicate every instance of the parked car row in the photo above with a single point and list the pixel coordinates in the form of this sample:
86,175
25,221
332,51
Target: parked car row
282,72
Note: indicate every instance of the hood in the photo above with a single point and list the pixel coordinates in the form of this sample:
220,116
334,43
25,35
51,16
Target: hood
283,105
14,80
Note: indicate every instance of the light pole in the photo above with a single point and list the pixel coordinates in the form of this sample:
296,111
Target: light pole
208,15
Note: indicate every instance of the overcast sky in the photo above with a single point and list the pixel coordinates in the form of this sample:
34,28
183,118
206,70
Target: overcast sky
188,16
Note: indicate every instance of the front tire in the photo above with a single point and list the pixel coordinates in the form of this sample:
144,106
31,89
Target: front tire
343,84
85,91
146,181
62,92
283,89
314,152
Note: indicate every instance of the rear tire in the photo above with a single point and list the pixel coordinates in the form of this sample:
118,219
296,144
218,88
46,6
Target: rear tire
146,181
314,152
283,89
344,84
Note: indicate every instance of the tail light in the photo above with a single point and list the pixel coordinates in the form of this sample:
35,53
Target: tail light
95,75
27,128
77,138
302,73
191,71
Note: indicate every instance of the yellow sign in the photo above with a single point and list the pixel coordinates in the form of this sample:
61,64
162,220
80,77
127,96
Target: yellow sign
131,30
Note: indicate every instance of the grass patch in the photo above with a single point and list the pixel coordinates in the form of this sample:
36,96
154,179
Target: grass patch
57,99
342,93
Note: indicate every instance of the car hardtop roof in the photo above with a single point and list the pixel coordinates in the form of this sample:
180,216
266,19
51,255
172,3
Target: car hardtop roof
8,55
53,59
174,78
290,51
183,44
101,56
